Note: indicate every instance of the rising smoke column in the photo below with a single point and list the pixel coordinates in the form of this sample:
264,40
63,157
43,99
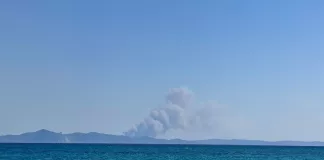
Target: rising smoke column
174,115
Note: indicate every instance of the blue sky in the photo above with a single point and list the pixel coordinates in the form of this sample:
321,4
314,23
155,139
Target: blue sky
101,66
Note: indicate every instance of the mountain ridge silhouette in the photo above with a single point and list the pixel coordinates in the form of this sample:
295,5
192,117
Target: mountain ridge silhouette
47,136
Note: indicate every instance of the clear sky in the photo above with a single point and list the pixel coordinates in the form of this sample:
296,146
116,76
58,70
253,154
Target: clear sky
102,65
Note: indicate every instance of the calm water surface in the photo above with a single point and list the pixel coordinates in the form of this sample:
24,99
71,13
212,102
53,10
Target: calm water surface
155,152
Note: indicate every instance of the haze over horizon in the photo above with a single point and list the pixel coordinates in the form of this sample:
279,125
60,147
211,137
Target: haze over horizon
185,69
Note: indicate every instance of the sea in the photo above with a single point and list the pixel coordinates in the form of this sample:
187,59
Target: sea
155,152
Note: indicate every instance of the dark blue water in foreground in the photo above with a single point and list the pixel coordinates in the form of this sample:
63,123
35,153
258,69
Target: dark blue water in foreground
155,152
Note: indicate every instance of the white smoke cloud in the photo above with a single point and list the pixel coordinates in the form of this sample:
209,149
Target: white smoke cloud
177,114
180,117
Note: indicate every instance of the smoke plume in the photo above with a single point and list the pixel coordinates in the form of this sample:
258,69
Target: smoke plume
176,114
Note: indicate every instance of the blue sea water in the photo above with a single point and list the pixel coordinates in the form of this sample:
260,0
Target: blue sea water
155,152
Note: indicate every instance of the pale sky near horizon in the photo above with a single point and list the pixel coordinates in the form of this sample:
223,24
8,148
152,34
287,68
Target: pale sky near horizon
81,66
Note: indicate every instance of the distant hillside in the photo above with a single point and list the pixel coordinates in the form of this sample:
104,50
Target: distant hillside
45,136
